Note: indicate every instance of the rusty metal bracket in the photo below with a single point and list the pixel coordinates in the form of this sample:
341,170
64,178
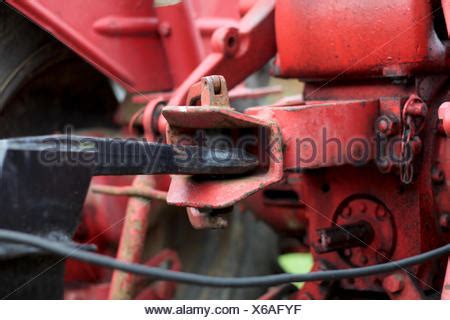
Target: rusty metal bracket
187,121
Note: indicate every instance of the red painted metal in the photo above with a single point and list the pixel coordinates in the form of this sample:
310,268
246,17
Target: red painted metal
400,286
347,192
126,39
311,131
232,47
377,38
373,69
179,34
123,56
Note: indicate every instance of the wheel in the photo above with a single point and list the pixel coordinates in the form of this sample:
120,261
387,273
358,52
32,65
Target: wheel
43,85
43,88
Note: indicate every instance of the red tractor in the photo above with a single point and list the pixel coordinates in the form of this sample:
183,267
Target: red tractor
349,169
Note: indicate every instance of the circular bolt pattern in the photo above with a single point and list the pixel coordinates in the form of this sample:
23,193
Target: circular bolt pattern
380,219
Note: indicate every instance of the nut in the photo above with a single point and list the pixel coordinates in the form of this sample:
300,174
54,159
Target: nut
393,283
387,125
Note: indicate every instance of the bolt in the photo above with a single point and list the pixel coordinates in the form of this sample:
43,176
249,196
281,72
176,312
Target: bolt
444,221
344,236
380,213
387,125
383,125
393,283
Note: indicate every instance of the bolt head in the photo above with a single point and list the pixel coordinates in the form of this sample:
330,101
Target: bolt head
387,125
380,213
383,125
393,283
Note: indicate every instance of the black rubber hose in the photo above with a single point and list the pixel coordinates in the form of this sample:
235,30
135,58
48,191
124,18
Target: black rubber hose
66,251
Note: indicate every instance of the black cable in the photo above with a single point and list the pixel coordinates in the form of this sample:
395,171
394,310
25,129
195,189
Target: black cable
191,278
